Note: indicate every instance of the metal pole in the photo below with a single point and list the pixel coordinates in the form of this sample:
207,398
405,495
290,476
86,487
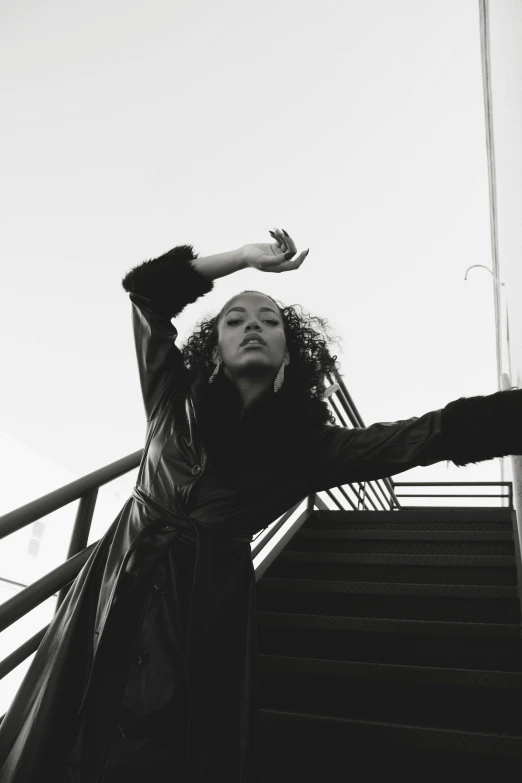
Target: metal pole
516,466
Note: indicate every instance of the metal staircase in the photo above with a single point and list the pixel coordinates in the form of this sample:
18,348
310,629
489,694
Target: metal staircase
392,637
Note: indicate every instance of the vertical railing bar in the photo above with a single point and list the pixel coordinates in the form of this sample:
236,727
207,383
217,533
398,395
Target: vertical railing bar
366,496
372,488
82,524
344,398
388,496
391,489
337,500
354,414
80,534
366,499
365,484
336,410
362,496
370,485
332,497
334,406
348,498
321,505
355,491
340,417
348,397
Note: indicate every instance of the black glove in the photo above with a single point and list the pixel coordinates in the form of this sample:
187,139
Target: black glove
481,428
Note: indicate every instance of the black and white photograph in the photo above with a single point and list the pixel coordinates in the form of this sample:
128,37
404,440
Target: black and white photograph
261,391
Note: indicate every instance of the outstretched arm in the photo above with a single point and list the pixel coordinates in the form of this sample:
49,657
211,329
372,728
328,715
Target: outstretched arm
466,430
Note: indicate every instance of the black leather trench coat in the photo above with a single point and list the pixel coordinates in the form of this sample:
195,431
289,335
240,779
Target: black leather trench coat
148,670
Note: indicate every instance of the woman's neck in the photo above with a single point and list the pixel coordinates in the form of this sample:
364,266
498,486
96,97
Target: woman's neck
251,388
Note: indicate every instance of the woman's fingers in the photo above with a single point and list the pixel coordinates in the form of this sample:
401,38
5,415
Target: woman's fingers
280,239
286,245
272,263
284,240
279,263
277,240
289,241
294,263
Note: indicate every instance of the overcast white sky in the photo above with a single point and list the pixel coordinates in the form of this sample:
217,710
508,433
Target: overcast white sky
131,127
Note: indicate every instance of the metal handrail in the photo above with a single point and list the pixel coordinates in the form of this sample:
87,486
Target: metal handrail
38,592
52,501
507,484
19,655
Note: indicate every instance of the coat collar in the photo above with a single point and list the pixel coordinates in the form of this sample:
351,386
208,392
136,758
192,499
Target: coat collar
268,428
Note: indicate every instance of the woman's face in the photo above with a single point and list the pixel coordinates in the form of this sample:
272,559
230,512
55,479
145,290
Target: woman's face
247,316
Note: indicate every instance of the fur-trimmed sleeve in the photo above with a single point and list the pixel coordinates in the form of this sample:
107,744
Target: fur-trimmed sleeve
170,281
483,427
159,289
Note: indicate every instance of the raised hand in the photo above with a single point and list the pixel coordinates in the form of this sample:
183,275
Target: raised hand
278,257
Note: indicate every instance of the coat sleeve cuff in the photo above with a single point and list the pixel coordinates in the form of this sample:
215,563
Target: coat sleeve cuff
481,428
170,281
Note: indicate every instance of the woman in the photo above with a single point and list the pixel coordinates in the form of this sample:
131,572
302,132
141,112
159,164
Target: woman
148,670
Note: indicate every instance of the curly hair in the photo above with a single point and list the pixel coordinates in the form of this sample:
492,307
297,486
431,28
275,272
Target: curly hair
310,360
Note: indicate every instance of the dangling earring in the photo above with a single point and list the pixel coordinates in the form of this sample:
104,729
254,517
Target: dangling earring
279,378
218,365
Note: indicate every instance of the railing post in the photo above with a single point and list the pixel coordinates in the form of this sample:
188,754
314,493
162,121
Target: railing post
363,499
80,534
516,469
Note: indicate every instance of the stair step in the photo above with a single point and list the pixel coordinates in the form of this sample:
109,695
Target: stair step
340,730
504,561
302,746
377,625
424,696
419,569
429,602
436,514
385,573
495,647
338,534
404,525
378,542
437,675
387,588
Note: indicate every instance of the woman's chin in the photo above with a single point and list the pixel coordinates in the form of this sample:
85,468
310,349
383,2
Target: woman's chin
255,359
